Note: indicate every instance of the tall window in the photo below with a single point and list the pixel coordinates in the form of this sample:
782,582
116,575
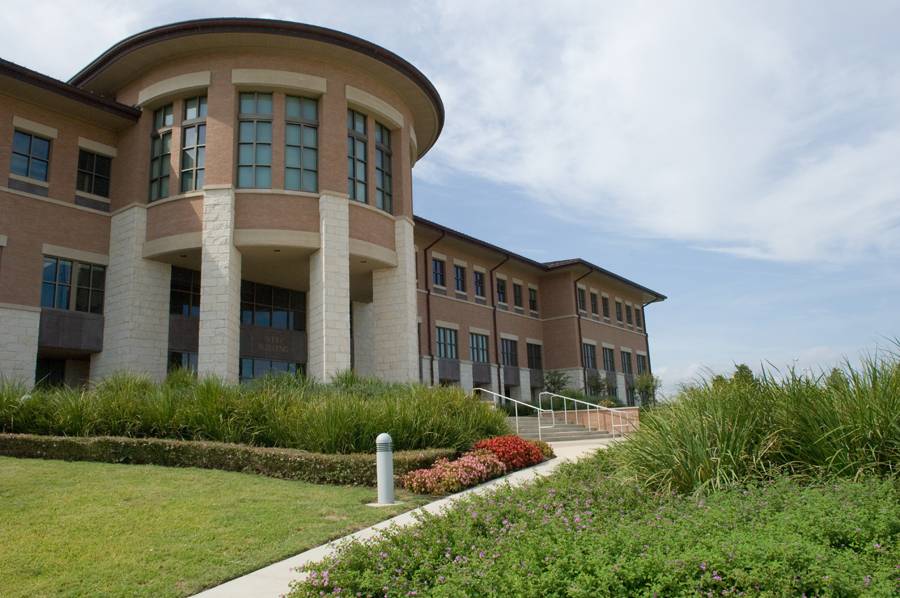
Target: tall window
619,311
356,155
501,290
532,299
609,359
446,343
438,272
255,141
184,293
57,288
628,315
626,362
272,307
589,352
186,360
257,368
30,156
594,304
478,347
641,364
160,150
517,294
459,274
93,173
301,149
535,356
193,144
581,300
606,307
509,352
384,197
479,284
638,317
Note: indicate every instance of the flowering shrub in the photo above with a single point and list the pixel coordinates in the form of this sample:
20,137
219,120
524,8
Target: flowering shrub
515,452
546,449
447,477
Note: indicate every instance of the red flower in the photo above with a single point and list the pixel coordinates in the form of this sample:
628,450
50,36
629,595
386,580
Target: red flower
515,452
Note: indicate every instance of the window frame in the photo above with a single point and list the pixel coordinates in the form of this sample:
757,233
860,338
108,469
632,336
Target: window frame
198,149
609,359
638,317
92,174
604,301
255,119
384,189
459,278
627,365
447,342
533,299
629,315
581,299
30,157
161,152
258,298
589,355
501,291
439,274
303,125
189,308
354,138
73,285
535,354
478,285
476,351
517,295
509,352
594,307
619,311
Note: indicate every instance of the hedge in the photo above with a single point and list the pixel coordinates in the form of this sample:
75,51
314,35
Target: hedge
356,469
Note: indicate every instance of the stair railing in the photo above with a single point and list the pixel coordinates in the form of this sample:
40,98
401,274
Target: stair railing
495,396
614,414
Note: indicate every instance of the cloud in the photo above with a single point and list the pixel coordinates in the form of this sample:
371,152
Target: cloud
766,130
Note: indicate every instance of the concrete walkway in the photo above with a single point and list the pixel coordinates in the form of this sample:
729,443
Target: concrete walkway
274,581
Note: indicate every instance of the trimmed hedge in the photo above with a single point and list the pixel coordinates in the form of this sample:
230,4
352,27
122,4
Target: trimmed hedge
356,469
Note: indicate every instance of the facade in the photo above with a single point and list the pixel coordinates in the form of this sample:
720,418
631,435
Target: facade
235,196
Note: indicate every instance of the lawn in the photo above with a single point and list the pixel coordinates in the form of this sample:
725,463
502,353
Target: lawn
91,529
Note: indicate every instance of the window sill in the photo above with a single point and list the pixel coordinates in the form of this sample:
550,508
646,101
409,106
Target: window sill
91,196
29,180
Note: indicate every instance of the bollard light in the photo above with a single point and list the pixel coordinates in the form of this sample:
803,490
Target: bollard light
384,466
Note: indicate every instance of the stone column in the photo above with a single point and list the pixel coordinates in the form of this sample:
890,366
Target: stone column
394,296
328,304
19,342
136,306
495,380
524,384
620,388
363,338
220,288
465,376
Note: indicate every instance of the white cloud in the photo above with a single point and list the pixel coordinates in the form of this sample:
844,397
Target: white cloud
766,130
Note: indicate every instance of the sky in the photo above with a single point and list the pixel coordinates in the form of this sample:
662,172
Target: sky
741,158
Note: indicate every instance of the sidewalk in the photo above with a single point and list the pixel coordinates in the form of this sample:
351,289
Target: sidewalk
274,581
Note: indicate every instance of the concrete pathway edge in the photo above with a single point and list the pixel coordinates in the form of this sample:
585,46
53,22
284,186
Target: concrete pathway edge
275,580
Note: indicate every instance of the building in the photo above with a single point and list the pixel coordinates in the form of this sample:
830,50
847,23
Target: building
235,196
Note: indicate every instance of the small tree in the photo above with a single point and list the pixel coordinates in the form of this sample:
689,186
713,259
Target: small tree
743,374
555,381
595,385
646,386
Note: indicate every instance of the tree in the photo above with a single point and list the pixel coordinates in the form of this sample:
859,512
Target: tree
743,374
646,386
555,381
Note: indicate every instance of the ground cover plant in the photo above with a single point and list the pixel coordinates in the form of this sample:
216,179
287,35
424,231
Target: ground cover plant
95,529
290,412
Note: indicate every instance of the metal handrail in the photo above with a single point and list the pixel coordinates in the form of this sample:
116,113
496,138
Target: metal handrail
516,403
613,412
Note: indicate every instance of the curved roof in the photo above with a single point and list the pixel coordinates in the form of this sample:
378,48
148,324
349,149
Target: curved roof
120,62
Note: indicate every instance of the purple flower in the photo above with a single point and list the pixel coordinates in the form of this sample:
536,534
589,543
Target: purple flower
703,566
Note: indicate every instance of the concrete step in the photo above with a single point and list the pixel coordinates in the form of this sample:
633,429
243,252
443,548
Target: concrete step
561,432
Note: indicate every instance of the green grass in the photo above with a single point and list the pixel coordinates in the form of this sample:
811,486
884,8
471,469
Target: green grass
91,529
344,416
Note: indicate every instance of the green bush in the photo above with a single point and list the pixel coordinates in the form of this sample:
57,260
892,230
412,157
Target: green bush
727,430
584,532
350,470
289,412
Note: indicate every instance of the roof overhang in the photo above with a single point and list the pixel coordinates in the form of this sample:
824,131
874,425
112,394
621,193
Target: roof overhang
127,59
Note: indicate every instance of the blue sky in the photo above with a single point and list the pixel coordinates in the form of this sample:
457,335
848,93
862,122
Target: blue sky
741,158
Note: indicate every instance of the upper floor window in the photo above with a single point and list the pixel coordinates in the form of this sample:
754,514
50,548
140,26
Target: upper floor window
478,347
446,343
160,152
589,353
535,356
509,352
626,362
638,318
532,299
605,307
384,197
619,311
459,274
479,284
272,307
184,293
642,364
581,299
59,292
628,315
357,139
439,275
517,294
193,144
255,141
93,173
501,290
609,359
594,304
301,138
30,156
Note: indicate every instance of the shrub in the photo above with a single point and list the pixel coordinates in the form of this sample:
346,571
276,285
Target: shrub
513,451
351,470
545,448
447,477
289,412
